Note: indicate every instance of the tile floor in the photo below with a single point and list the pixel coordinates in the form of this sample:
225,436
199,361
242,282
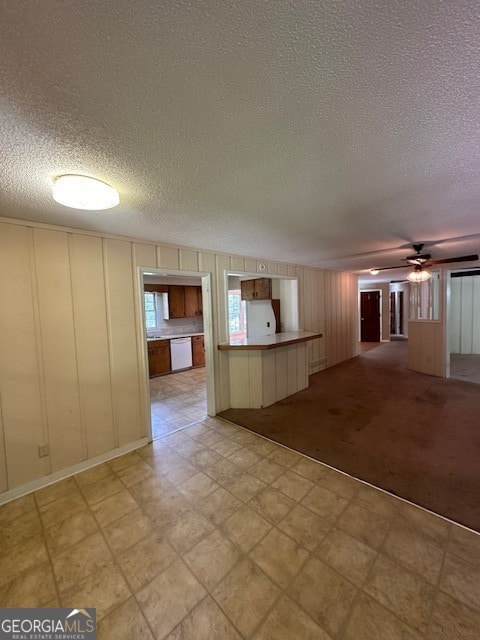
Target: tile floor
214,533
177,400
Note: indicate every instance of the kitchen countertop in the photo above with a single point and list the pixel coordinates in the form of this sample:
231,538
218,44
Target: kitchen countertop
172,336
269,342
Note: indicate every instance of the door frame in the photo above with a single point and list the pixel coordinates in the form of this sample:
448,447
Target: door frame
207,332
380,307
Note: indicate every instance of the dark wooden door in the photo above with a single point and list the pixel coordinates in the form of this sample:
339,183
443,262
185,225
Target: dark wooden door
191,302
370,316
176,301
393,317
400,312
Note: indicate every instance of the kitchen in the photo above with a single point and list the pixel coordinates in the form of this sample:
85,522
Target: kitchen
175,345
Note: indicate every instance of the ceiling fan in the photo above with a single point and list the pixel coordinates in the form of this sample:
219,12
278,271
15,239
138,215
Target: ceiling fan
420,261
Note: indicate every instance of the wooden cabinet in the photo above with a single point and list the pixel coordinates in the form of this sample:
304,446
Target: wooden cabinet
158,357
184,302
256,289
198,351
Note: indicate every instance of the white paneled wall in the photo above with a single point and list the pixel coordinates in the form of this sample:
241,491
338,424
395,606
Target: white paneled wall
464,325
72,361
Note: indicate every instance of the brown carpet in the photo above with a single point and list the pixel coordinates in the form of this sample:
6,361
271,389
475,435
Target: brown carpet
413,435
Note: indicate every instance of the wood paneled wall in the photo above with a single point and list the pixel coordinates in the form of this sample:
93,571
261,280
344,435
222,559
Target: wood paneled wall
72,361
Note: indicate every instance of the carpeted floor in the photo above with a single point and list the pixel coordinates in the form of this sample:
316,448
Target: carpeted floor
413,435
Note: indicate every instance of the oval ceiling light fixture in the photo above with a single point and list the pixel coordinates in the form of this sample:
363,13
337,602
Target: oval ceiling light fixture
374,272
84,192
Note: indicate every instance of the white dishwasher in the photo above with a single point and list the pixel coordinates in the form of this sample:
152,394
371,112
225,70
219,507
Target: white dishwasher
181,353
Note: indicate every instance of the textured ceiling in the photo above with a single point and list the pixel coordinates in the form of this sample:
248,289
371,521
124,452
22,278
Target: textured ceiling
323,133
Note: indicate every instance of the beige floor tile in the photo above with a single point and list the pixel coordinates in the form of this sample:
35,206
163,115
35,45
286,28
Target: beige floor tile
223,471
244,437
404,593
424,522
125,532
146,559
461,580
293,485
279,556
287,622
187,529
104,488
262,447
20,529
365,525
271,505
285,457
180,471
209,438
245,486
370,621
376,501
452,620
32,588
305,527
55,491
188,447
197,487
150,488
198,430
92,475
169,597
309,469
167,509
266,470
323,594
204,459
211,558
104,590
21,557
415,552
206,622
244,458
17,508
136,472
219,505
114,507
246,595
80,560
226,447
347,555
62,508
126,622
65,534
122,462
465,544
245,528
339,483
324,503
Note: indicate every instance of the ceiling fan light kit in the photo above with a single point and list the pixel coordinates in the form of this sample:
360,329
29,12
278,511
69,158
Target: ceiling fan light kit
419,275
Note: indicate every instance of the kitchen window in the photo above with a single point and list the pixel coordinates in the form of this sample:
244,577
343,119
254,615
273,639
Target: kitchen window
237,324
151,311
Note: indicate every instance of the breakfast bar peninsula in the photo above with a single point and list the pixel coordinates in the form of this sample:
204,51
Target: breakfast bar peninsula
266,369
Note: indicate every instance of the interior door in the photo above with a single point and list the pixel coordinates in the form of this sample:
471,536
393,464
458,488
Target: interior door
370,316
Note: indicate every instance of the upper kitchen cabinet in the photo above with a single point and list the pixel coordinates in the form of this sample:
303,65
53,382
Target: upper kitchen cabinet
256,289
183,302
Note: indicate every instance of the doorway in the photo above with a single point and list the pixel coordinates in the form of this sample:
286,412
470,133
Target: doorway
177,334
396,313
370,316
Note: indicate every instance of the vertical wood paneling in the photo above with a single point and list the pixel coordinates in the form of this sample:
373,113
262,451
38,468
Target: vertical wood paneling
222,263
250,265
281,367
282,269
58,346
188,260
168,257
254,384
123,346
91,339
291,270
144,255
237,264
292,374
239,373
269,381
302,372
272,268
20,390
3,459
466,318
476,315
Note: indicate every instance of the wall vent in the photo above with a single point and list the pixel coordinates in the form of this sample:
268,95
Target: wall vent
314,366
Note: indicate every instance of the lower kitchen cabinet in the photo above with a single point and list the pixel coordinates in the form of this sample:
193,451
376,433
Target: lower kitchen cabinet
198,351
158,357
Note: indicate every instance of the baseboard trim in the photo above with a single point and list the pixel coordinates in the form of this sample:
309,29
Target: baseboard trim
35,485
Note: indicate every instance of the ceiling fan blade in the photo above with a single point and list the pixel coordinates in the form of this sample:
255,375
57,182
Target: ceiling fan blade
400,266
471,258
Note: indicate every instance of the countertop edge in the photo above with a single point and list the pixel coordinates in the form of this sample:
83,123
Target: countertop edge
225,346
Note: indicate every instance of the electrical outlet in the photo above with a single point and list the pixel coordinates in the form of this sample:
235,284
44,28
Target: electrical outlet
268,324
43,450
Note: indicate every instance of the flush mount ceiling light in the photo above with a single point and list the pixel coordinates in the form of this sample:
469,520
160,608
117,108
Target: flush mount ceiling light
374,272
83,192
419,275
